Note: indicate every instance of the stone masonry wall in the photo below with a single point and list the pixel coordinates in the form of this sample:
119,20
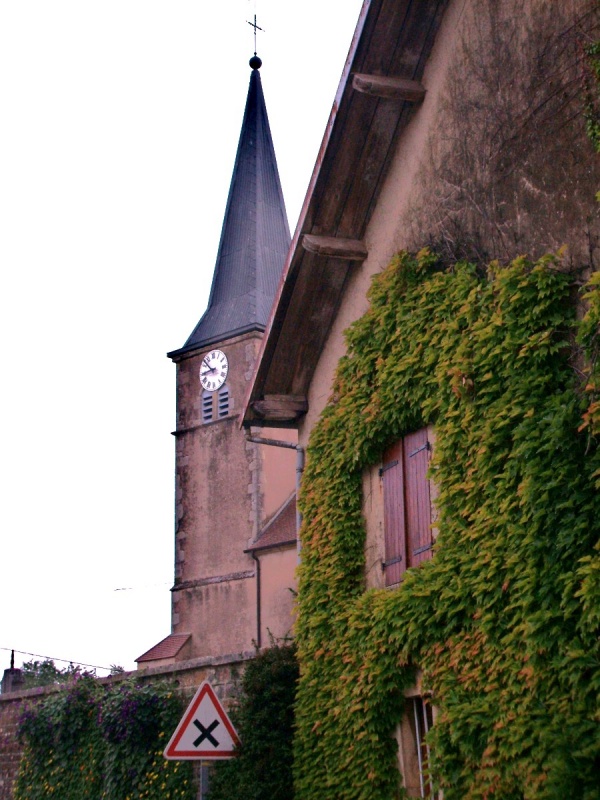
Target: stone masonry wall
11,708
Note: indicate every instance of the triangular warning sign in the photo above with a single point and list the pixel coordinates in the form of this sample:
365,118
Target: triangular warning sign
205,730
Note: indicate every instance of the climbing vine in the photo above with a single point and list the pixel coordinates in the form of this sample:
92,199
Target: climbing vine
90,741
592,94
502,621
589,337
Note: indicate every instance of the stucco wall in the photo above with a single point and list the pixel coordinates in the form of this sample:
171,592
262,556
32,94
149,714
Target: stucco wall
279,466
217,512
278,587
220,616
507,168
226,487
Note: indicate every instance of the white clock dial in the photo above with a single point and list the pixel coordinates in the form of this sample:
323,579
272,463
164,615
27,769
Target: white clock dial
213,370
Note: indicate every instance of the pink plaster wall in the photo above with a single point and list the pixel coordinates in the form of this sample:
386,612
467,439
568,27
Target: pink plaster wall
226,488
279,470
278,588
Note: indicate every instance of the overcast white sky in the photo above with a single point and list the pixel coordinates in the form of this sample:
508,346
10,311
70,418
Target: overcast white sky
120,121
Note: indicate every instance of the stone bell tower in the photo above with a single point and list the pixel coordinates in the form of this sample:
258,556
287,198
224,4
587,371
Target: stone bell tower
228,488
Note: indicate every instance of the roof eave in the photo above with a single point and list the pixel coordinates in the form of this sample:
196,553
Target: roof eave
365,123
182,352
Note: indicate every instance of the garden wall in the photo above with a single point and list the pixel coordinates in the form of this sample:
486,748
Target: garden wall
223,674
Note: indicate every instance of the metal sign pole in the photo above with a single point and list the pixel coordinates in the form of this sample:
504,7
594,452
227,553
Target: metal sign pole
203,779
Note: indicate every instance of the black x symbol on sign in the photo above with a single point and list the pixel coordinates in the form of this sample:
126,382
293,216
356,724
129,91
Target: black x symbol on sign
206,733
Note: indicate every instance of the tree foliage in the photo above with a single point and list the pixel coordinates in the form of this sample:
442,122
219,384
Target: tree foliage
46,673
264,721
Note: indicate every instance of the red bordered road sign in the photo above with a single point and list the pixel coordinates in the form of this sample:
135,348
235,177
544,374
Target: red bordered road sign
205,731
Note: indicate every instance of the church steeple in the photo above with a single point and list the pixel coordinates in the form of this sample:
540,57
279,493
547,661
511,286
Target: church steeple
255,236
227,487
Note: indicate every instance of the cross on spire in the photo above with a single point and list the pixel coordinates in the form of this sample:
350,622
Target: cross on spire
256,28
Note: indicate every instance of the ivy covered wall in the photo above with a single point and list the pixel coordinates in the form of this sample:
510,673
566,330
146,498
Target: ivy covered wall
91,740
503,620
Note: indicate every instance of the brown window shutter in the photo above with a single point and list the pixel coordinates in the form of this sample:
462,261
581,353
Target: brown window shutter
416,498
392,475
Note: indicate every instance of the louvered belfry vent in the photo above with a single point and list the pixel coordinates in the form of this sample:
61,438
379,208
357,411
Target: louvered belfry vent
223,402
207,407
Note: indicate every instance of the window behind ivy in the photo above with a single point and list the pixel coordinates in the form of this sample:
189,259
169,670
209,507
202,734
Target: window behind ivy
414,749
406,505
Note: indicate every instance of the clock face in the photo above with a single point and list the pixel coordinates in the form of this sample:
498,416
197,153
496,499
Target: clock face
213,370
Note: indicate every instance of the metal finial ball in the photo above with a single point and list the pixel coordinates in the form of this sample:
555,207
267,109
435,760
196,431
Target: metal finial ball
255,62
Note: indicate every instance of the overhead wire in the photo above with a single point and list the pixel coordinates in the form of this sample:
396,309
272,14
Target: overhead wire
54,658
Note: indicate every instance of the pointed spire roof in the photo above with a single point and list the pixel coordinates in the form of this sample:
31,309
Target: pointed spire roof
255,236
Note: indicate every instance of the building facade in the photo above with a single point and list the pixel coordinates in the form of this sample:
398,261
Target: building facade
235,549
414,346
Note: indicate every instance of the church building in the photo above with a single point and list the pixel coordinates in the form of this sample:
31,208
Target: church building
430,338
235,518
425,348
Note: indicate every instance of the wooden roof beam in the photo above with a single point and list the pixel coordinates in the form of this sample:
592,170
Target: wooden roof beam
280,407
332,247
389,88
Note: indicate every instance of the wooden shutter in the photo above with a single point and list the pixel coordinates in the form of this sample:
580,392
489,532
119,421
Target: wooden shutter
392,474
416,498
